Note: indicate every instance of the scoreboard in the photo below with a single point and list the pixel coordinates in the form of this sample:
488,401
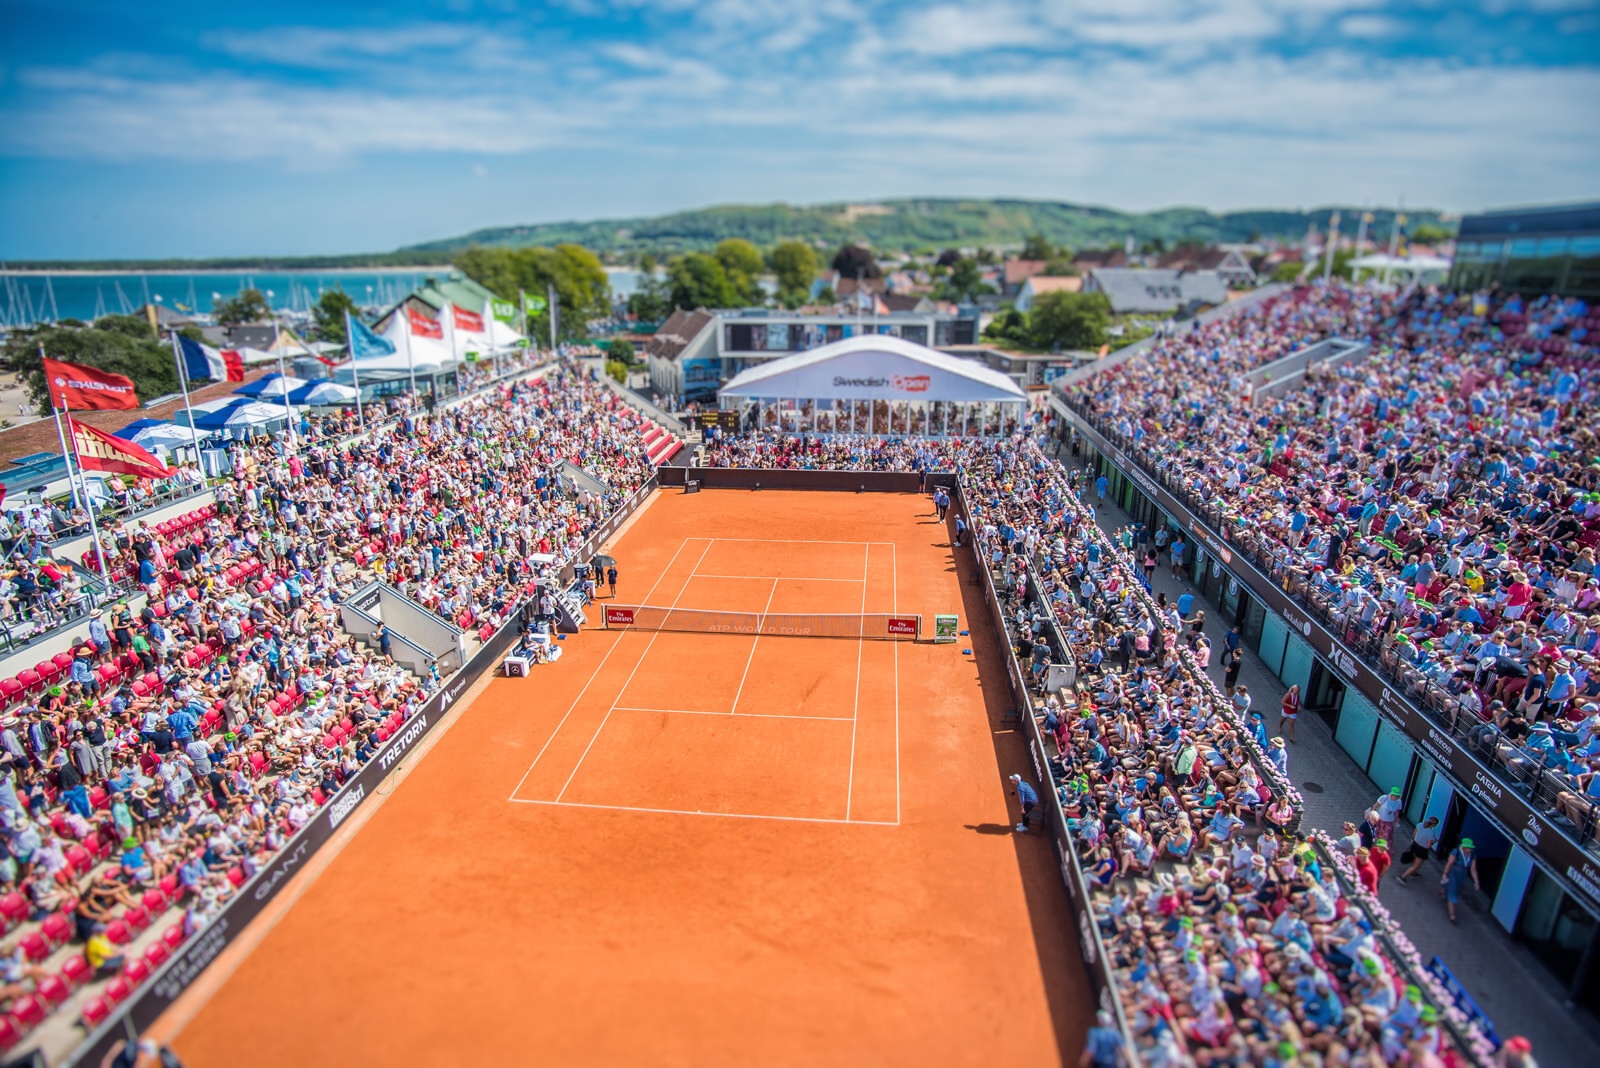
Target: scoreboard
726,421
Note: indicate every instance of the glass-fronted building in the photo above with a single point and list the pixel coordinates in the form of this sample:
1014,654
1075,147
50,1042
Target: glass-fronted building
1532,251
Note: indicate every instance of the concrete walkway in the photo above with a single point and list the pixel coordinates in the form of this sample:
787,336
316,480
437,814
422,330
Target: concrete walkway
1516,991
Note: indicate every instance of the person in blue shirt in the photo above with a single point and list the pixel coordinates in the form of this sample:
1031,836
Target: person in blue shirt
1028,798
1102,1047
1185,603
1102,486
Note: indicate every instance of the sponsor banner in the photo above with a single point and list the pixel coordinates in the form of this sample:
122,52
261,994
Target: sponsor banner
1549,846
619,617
945,628
903,625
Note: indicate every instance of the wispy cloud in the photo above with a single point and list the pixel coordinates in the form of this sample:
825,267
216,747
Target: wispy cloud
1136,102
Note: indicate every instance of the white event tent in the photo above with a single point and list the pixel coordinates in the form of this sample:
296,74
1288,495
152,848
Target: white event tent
876,384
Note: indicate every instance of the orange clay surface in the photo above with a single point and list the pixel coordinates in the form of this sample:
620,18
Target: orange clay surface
695,849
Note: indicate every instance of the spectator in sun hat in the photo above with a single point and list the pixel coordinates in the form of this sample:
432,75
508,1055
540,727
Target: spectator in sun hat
1387,807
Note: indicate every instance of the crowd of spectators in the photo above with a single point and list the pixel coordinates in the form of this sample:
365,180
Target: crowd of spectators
1437,502
1231,937
180,742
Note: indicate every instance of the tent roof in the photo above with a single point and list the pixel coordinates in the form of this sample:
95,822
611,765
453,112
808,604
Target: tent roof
876,366
1379,261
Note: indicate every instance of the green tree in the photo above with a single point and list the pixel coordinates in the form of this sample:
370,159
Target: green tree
1010,326
618,370
743,264
853,261
1287,271
1069,320
697,280
581,285
329,313
622,351
120,344
250,306
1037,247
964,282
796,265
652,301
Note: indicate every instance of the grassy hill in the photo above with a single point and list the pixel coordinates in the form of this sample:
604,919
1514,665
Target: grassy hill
917,224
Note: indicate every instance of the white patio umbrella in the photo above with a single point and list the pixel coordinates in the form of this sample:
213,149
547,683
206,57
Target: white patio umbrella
322,394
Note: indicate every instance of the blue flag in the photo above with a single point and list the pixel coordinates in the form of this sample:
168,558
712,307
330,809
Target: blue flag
364,343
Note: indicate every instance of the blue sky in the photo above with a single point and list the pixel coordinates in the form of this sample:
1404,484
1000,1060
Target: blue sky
189,129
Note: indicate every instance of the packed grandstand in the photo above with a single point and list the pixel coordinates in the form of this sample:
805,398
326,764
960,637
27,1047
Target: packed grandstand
1439,499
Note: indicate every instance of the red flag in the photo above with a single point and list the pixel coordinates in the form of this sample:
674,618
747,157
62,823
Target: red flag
465,320
233,361
85,388
99,451
422,326
329,360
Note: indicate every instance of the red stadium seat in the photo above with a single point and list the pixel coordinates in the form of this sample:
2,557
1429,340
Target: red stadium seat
155,901
76,971
11,1032
137,917
137,970
47,670
29,679
14,907
56,930
117,990
169,887
35,947
30,1011
96,1012
157,954
173,936
54,990
236,876
63,660
118,932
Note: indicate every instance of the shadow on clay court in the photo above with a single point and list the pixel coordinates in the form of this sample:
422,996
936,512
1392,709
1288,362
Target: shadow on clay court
1055,934
989,828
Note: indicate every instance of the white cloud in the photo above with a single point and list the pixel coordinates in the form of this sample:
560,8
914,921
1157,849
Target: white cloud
1134,102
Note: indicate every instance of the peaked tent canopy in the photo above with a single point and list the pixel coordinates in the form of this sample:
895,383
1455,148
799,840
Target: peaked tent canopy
875,367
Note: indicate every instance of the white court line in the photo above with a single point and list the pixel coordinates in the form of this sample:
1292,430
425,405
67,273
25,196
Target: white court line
855,711
802,541
784,578
733,710
642,658
696,812
595,674
747,715
894,608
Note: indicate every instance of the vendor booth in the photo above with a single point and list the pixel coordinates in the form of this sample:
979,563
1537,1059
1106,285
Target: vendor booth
875,385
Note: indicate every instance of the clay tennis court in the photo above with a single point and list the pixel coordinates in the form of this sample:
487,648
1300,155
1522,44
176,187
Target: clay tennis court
690,848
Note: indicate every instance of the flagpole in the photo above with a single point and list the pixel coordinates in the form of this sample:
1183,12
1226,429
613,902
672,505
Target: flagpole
60,434
522,306
350,339
411,363
183,384
551,289
94,526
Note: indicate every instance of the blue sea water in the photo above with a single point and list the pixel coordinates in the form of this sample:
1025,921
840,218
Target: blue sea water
28,297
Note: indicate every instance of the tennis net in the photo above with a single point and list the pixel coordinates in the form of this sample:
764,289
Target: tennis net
785,624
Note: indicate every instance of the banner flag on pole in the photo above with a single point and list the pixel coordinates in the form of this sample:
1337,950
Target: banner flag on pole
75,386
366,344
203,361
422,326
534,305
471,322
504,310
99,451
